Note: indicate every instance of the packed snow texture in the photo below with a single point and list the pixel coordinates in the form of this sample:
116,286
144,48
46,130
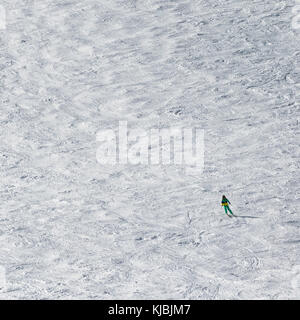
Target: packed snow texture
73,229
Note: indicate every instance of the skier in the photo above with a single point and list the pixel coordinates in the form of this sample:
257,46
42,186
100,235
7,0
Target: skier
225,204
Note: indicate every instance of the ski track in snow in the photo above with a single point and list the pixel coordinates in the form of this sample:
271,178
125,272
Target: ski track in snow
72,229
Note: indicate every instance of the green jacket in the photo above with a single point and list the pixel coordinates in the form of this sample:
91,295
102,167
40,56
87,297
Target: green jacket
225,202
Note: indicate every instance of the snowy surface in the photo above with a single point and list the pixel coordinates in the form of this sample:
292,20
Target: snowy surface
73,229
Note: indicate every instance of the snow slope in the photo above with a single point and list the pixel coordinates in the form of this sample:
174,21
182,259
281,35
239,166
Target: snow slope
73,229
